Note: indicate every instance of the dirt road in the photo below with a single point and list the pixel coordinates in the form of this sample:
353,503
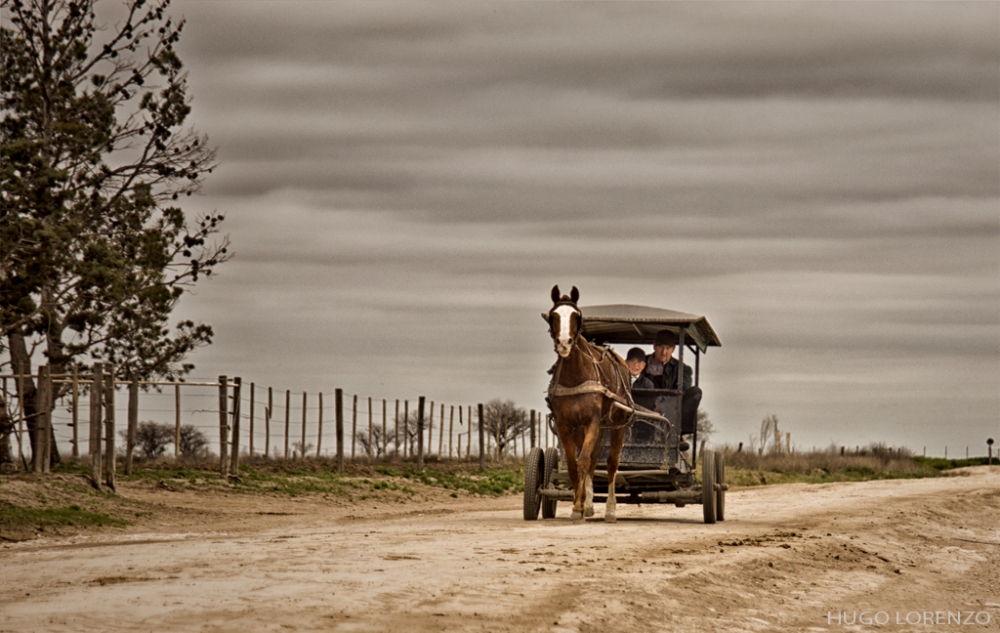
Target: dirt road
904,555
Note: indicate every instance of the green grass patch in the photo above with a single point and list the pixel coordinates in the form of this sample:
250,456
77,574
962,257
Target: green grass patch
488,483
940,463
15,519
296,483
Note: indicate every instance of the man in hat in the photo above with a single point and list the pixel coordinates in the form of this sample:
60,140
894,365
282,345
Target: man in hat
661,370
661,366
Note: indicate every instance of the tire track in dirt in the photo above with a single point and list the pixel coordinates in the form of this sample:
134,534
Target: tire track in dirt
786,557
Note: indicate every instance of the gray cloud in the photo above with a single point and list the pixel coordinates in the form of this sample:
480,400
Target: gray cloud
404,182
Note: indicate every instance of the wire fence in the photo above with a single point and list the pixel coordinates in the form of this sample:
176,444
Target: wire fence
252,422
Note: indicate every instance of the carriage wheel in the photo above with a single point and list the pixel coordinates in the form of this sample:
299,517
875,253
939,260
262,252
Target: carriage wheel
534,472
708,485
720,495
551,467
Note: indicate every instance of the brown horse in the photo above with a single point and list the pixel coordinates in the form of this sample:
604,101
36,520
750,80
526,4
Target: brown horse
587,382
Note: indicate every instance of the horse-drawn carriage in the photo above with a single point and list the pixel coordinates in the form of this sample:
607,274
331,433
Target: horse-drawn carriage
657,444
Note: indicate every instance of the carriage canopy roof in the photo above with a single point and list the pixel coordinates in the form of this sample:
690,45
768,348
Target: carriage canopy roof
625,324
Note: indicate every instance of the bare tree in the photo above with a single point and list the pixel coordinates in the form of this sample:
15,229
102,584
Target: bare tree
769,435
375,449
505,422
705,426
302,449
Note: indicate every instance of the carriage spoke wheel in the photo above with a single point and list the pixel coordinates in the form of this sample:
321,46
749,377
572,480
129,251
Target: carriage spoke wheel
534,472
551,467
720,495
708,485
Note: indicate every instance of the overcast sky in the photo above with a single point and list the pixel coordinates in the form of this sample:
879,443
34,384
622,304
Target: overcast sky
403,183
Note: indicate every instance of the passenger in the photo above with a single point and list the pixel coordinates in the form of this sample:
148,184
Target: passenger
661,370
636,361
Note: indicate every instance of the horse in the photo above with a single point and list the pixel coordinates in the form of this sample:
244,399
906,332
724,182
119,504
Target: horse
587,383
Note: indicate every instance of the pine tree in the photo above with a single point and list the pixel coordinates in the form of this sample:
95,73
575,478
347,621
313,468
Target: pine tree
94,250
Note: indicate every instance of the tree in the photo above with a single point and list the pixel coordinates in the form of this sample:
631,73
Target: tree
505,422
374,449
152,438
94,251
705,426
194,444
769,436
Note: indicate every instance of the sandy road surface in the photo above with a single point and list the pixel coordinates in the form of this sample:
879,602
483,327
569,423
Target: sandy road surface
788,558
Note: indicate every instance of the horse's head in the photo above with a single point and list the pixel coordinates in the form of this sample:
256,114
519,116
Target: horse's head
565,320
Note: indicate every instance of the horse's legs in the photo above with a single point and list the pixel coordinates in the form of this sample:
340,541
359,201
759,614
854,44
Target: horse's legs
575,480
614,457
587,465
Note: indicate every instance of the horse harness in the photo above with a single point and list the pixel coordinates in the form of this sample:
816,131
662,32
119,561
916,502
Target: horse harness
593,386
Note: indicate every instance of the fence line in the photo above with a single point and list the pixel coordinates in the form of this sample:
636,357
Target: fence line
58,420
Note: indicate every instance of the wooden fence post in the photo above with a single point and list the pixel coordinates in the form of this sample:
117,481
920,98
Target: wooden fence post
109,429
420,434
177,421
460,409
288,420
234,468
268,412
96,402
50,437
41,396
430,429
533,421
133,423
451,427
36,451
459,454
251,419
20,417
305,406
76,408
482,440
468,441
406,429
223,426
371,447
319,431
385,437
340,430
354,425
395,449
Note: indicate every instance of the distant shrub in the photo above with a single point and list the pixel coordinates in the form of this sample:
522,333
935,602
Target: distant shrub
194,443
151,438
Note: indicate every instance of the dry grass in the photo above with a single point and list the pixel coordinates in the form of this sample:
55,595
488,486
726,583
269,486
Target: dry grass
875,462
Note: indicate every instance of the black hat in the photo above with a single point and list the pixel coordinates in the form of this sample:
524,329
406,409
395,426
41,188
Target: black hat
636,353
666,337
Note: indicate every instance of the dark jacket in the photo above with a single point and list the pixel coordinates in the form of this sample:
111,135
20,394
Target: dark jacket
668,379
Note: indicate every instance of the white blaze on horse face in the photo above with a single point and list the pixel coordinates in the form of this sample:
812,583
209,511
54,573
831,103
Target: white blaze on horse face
564,340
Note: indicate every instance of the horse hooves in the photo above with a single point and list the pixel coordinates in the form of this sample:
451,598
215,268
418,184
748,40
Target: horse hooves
610,518
588,512
576,516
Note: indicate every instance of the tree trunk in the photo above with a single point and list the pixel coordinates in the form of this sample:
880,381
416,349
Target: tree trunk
26,392
6,428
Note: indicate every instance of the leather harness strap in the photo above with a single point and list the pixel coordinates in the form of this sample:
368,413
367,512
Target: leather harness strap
592,386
